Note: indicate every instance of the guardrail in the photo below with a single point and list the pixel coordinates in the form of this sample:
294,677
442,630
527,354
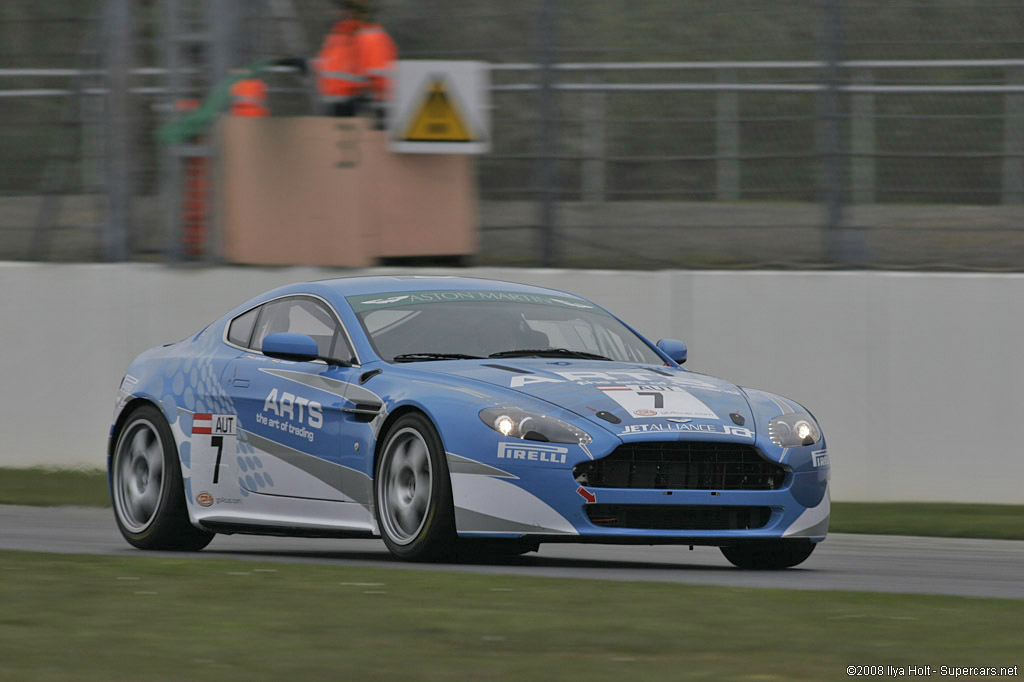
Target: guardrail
909,131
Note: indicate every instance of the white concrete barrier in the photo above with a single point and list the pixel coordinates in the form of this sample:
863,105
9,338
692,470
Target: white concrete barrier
916,378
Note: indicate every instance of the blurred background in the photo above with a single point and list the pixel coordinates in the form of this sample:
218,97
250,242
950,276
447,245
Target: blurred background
638,135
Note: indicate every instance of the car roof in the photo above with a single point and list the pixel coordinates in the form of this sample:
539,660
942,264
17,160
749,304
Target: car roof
386,284
336,290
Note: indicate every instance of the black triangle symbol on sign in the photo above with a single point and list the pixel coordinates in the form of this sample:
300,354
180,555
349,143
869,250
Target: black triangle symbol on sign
438,120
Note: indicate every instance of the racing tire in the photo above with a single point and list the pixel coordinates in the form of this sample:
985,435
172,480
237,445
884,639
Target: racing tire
146,487
769,555
412,492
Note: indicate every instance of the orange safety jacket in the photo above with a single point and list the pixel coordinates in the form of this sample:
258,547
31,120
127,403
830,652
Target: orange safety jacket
249,98
356,59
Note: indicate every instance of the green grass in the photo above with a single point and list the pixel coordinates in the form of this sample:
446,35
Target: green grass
993,521
152,619
47,487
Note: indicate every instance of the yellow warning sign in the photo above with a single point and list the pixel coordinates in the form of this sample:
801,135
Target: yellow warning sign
438,119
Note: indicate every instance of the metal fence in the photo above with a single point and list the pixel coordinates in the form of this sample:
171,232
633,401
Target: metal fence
647,134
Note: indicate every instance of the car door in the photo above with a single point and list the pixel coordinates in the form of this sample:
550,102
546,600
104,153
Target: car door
290,414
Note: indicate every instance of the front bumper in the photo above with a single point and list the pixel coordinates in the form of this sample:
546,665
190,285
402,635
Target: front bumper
551,505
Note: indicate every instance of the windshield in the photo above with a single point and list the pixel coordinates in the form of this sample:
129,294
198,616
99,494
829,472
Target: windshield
451,325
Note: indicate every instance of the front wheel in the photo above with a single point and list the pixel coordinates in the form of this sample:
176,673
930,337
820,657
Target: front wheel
413,492
769,555
146,487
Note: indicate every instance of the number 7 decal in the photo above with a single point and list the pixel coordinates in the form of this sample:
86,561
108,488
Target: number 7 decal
217,426
217,442
659,399
669,401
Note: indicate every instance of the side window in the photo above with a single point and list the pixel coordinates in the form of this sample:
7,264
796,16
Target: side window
300,315
241,328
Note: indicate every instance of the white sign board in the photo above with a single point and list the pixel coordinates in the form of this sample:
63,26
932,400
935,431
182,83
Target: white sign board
441,107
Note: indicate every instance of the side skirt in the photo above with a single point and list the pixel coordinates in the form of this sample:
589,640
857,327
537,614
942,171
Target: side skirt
227,528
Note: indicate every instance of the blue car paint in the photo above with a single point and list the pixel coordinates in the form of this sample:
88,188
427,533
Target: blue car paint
204,374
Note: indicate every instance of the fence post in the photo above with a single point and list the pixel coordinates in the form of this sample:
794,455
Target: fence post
594,113
224,21
727,138
846,246
1013,139
547,137
119,170
863,140
171,175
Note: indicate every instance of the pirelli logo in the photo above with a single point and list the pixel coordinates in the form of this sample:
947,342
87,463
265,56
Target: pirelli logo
551,454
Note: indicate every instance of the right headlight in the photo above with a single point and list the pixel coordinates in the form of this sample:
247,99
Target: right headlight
794,430
516,423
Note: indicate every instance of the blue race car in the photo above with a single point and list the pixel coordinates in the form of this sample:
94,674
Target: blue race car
449,415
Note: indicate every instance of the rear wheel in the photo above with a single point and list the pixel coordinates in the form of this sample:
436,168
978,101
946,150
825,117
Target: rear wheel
146,487
413,492
769,555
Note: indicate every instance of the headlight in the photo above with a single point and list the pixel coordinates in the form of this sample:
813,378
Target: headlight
794,430
516,423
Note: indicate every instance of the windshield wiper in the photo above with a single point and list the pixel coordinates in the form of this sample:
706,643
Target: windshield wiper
548,353
421,357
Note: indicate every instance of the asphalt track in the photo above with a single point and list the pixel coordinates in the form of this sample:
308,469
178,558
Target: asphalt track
875,563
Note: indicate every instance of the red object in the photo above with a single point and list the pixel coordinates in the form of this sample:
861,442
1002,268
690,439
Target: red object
195,203
356,58
202,423
249,98
587,495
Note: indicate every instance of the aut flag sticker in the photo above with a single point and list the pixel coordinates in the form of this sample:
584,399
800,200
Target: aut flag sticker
213,424
438,118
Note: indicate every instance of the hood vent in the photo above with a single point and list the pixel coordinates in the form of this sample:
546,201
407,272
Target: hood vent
514,370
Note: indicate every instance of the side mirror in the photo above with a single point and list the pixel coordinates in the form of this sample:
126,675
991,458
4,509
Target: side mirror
298,347
674,349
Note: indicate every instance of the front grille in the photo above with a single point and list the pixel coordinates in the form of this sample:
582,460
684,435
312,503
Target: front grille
677,517
682,465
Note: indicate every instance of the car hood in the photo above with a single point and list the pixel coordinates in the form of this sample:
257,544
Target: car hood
625,398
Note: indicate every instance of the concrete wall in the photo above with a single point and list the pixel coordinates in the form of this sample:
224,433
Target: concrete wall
915,378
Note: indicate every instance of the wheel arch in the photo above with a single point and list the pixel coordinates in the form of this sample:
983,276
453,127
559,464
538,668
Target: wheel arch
393,417
126,412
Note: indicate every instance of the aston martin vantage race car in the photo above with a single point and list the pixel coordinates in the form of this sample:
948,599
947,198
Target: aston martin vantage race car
444,414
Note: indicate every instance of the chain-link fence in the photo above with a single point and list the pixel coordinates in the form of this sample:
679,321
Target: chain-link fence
625,134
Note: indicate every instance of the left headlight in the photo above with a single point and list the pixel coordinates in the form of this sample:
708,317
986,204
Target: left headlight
794,430
516,423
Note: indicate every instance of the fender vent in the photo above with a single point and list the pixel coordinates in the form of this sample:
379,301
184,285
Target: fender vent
363,412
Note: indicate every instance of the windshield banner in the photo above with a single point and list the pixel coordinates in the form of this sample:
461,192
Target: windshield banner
401,299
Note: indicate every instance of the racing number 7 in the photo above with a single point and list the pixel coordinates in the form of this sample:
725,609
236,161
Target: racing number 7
659,402
217,442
